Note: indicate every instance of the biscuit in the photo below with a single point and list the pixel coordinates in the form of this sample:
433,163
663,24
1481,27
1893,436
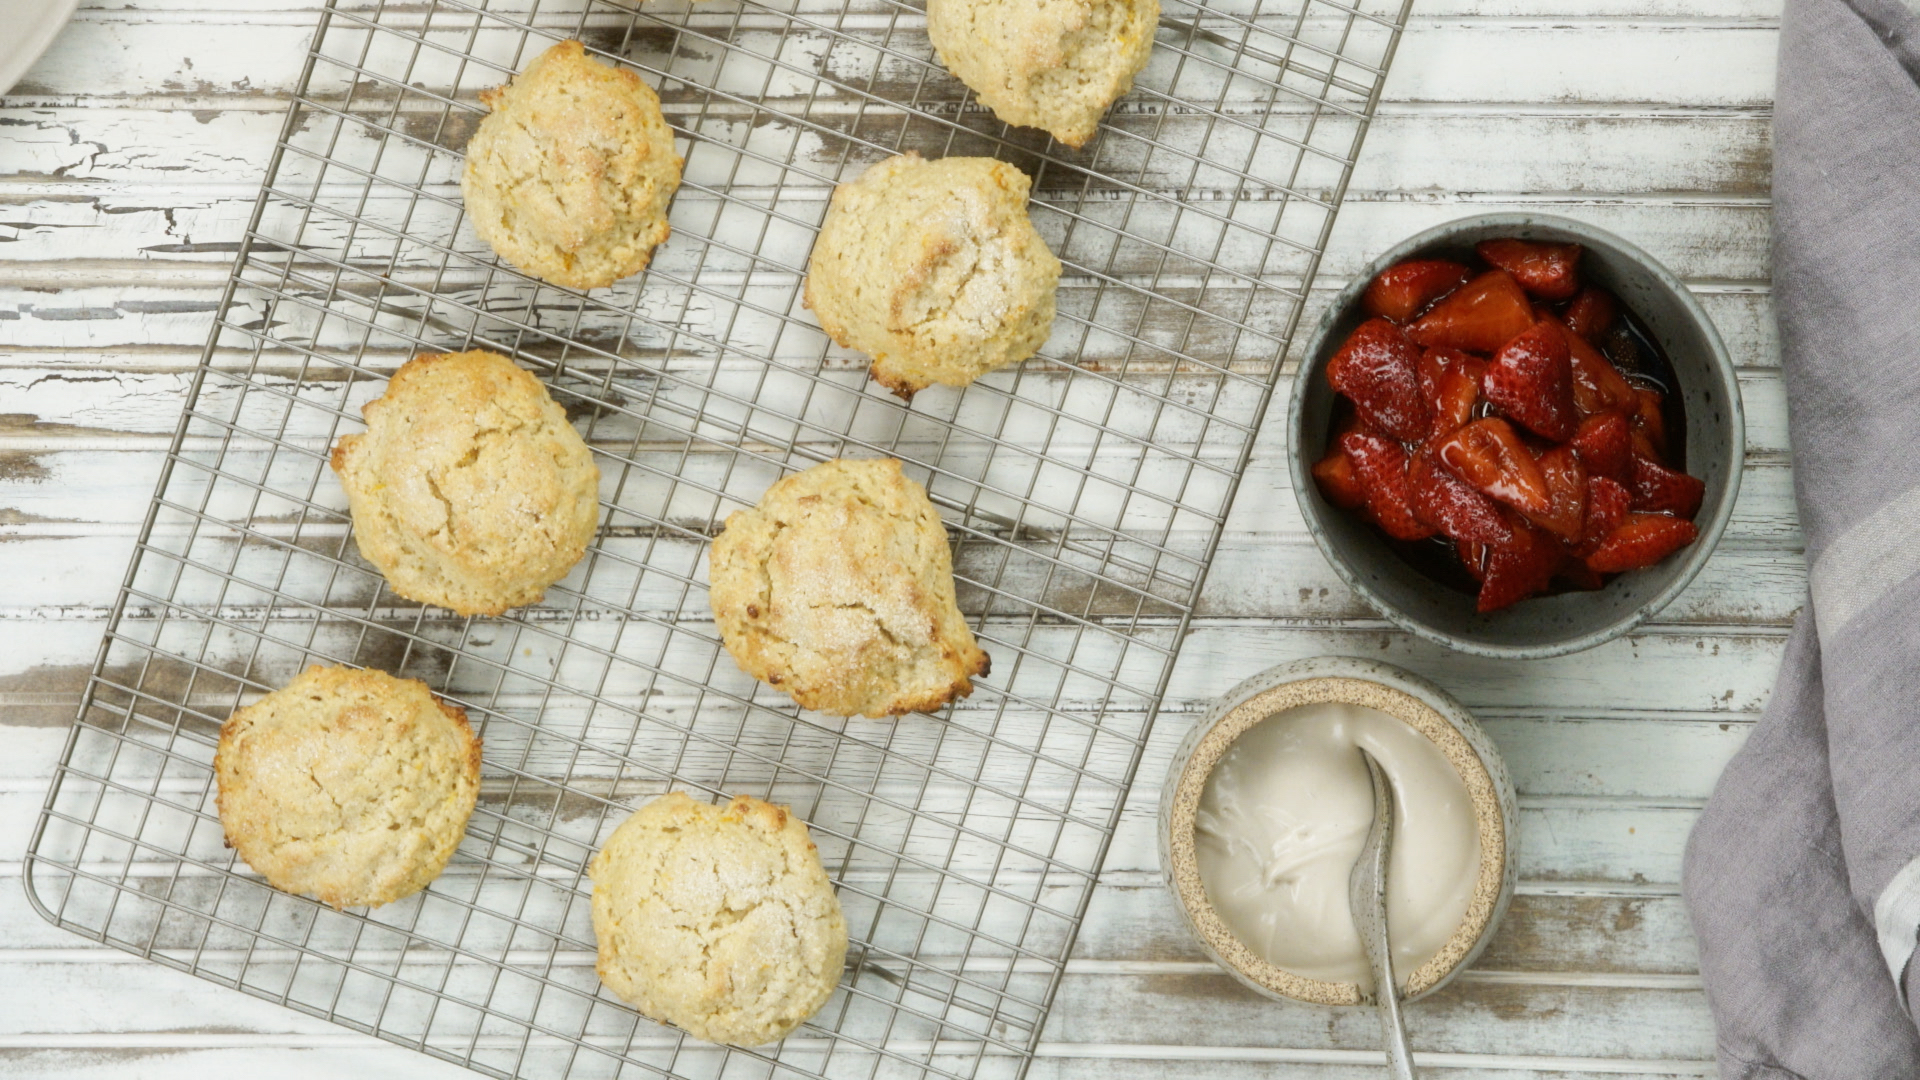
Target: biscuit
1049,64
351,786
469,489
838,589
719,920
934,270
569,176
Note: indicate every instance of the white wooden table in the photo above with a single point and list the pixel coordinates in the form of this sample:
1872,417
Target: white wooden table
130,157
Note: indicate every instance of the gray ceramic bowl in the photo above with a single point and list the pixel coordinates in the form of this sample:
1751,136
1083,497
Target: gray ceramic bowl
1552,625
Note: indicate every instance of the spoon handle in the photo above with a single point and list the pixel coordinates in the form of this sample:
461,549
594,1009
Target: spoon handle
1392,1029
1367,893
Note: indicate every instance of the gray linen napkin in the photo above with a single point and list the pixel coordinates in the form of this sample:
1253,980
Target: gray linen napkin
1803,874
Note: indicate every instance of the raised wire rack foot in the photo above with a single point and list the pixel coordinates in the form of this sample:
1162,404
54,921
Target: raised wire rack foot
1084,491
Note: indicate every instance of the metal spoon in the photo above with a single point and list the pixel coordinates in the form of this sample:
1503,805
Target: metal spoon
1367,893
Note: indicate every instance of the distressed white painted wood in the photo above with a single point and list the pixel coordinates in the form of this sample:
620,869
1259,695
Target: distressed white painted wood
128,163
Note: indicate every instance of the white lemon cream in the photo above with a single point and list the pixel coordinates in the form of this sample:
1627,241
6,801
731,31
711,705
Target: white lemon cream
1281,821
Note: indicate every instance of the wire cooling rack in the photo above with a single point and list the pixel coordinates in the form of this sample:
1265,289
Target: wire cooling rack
1084,491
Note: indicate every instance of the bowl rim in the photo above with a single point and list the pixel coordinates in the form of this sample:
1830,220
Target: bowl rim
1722,368
1407,697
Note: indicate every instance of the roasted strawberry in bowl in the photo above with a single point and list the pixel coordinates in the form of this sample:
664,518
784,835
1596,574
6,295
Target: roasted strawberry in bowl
1516,435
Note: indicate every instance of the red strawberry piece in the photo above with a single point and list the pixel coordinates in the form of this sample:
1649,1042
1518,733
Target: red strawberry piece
1433,364
1480,316
1603,444
1531,379
1460,390
1660,490
1474,557
1405,289
1491,459
1338,482
1520,569
1597,385
1567,483
1608,502
1643,446
1548,271
1643,541
1649,423
1452,382
1458,511
1381,466
1375,368
1591,313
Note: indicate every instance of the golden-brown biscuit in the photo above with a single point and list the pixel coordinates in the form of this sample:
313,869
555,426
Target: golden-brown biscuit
568,178
469,489
838,589
352,786
719,920
934,270
1049,64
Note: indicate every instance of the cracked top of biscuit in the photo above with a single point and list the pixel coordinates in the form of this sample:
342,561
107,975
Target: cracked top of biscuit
469,490
569,177
933,269
719,920
838,589
351,786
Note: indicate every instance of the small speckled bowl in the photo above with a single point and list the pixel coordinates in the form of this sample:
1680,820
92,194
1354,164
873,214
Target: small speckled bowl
1416,702
1569,621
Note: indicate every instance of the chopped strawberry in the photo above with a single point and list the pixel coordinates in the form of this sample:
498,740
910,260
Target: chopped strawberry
1643,541
1452,382
1375,369
1460,391
1490,458
1520,569
1562,480
1405,289
1597,385
1603,445
1381,467
1660,490
1649,423
1531,378
1455,509
1474,557
1480,316
1567,483
1548,271
1592,312
1607,505
1643,444
1337,480
1433,364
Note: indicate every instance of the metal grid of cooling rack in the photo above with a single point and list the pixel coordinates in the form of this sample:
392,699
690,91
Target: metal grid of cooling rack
1084,490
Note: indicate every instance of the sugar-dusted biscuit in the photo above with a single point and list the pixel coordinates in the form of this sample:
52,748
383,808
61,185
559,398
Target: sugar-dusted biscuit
838,589
569,177
934,270
717,919
1049,64
351,786
469,489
